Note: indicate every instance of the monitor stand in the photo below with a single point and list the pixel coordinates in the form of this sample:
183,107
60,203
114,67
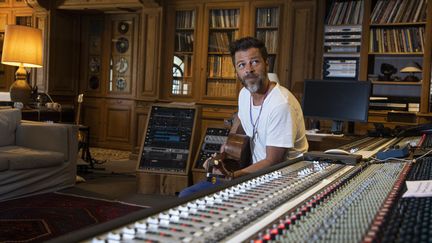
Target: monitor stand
337,127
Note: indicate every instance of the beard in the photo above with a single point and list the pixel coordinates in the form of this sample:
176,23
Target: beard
252,86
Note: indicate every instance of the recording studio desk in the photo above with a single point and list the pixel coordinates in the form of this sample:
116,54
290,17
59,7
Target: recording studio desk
317,142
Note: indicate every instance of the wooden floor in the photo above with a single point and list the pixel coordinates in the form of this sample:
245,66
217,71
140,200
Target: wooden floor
115,180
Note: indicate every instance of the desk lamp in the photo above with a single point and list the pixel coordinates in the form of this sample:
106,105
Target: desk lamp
411,70
22,47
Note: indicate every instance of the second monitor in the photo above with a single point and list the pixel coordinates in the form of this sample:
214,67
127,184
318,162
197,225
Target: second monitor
336,100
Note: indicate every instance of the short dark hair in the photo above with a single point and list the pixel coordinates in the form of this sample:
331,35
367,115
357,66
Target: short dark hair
246,43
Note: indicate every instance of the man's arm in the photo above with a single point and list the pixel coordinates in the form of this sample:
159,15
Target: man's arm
236,127
274,155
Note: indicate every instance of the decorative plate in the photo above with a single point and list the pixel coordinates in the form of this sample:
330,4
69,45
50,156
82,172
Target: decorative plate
121,83
94,82
94,64
123,27
122,45
122,65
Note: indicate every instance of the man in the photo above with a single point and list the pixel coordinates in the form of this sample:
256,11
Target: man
269,114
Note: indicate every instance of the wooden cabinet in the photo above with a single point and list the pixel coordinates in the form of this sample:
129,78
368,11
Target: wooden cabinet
182,63
222,25
149,56
267,27
398,39
197,63
109,55
110,122
118,123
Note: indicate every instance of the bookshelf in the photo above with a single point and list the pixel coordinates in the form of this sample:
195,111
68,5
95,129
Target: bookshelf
393,51
223,26
342,39
397,34
182,63
267,25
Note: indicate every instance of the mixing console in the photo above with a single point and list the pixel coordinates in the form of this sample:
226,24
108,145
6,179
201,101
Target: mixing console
303,201
410,219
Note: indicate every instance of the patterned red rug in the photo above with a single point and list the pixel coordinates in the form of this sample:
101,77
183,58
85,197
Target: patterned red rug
46,216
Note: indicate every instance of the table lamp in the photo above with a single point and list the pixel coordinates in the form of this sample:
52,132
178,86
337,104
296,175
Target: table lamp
411,70
22,47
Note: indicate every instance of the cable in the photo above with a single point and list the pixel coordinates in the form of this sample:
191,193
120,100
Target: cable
49,97
402,160
423,155
374,159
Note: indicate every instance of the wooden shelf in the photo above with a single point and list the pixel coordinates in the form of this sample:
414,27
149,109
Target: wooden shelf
396,53
373,25
396,82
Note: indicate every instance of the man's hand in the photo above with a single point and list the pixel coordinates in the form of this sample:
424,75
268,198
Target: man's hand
215,163
208,163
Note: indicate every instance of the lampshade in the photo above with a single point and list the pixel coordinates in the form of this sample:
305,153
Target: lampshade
22,45
410,69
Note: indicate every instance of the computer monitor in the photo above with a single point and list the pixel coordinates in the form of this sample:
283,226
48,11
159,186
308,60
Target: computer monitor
336,100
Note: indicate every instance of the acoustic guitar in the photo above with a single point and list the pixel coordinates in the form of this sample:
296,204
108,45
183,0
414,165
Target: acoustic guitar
81,135
236,155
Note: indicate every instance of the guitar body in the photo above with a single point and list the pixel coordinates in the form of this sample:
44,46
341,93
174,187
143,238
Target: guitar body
236,155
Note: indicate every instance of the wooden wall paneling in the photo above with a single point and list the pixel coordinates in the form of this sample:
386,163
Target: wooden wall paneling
64,54
301,31
169,18
38,76
216,115
364,48
139,126
102,4
149,53
319,48
91,115
7,72
5,19
19,3
5,3
118,123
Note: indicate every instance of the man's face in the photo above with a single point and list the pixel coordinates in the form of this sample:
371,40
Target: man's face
251,69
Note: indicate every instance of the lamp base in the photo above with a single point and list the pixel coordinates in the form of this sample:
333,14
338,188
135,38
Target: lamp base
20,91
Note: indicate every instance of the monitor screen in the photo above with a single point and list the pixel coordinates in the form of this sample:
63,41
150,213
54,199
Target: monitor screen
337,100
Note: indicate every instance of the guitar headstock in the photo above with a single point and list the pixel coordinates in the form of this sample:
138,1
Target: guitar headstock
80,98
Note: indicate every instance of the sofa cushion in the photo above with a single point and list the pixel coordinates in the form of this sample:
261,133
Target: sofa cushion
22,158
9,120
4,163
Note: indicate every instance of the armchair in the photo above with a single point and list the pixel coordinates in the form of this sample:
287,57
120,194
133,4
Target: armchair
35,157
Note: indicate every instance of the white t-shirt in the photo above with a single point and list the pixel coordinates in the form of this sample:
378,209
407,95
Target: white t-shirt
277,122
